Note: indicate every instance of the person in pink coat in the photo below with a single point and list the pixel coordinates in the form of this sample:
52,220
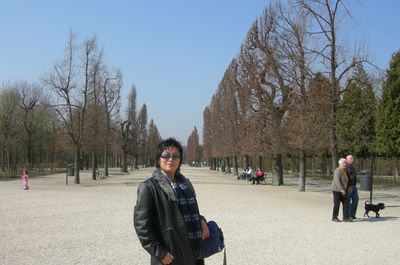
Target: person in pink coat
25,179
259,175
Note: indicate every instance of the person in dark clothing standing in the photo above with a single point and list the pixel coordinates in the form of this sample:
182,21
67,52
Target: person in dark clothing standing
352,193
166,215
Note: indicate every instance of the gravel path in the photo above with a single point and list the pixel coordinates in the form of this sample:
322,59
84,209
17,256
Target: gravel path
91,223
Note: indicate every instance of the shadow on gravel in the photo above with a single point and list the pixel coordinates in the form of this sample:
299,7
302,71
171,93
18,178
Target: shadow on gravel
392,206
133,183
380,219
379,197
222,183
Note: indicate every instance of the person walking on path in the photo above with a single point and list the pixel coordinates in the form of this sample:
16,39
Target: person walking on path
166,215
25,179
339,187
352,187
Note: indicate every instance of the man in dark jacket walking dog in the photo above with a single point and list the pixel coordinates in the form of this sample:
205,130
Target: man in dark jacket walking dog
352,193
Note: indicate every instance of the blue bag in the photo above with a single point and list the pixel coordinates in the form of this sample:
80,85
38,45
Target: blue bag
215,242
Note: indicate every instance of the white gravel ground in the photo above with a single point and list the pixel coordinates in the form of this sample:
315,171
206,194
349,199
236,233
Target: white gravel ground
91,223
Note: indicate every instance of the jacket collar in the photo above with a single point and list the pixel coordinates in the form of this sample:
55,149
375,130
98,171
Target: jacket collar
161,180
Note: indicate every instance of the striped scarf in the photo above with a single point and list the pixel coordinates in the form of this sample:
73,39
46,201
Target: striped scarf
190,212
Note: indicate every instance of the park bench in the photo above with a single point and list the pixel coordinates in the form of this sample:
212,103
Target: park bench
262,180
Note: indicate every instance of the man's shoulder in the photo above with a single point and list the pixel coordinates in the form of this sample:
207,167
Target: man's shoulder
352,169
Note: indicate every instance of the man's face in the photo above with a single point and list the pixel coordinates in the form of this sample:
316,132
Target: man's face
349,160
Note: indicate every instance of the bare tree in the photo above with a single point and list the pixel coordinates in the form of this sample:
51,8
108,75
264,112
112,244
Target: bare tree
95,124
153,139
111,88
274,86
72,92
126,128
193,149
333,56
291,29
232,118
207,137
141,128
252,134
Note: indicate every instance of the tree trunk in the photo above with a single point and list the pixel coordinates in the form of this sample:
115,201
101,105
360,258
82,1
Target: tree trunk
277,172
77,165
294,166
302,171
136,161
94,165
313,165
3,160
260,162
106,159
324,165
211,161
8,164
235,166
371,170
124,166
30,148
87,161
334,137
222,163
246,161
228,166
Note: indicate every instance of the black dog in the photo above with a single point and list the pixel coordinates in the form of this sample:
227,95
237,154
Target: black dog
373,207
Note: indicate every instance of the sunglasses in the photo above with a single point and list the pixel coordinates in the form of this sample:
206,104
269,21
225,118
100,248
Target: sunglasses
168,156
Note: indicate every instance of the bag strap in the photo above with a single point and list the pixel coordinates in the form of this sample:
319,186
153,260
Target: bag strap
224,263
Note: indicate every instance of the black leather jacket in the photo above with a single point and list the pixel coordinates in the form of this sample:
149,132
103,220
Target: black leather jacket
159,223
352,174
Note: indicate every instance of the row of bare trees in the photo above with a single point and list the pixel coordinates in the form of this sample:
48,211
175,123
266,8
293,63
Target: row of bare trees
280,94
75,108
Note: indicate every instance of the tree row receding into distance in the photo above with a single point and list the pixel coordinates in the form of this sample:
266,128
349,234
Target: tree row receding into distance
295,94
73,116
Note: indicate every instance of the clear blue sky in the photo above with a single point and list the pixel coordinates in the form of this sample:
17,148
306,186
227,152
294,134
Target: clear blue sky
175,51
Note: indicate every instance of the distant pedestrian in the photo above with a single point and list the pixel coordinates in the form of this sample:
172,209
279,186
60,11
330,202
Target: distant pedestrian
25,179
352,193
339,187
